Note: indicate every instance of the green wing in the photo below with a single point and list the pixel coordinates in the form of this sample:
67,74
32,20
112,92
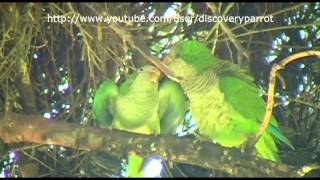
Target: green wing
103,103
244,97
172,106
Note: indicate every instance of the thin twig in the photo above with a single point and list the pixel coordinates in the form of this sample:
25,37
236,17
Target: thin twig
230,34
142,48
272,81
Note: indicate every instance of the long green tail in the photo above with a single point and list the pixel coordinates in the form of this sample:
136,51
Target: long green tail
267,147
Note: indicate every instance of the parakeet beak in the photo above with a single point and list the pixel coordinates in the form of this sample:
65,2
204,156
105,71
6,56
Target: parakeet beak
154,74
167,59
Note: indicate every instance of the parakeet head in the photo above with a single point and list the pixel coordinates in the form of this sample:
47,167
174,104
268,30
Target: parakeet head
145,78
187,58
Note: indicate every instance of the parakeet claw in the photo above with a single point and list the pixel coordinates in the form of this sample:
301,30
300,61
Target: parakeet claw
248,145
200,137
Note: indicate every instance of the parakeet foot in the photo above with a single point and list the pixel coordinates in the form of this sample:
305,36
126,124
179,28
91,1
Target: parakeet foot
249,146
200,137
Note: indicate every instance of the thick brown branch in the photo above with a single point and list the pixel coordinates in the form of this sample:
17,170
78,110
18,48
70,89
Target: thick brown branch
15,128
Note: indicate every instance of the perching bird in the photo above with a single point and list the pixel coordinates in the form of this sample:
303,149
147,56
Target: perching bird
134,106
224,101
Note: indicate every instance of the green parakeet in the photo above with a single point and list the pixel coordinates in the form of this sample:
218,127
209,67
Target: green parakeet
134,106
224,101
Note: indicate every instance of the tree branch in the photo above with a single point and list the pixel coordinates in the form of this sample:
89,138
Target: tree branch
272,81
227,30
139,45
15,128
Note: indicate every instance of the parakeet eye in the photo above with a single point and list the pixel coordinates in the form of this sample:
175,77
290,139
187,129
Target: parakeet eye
177,55
140,69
